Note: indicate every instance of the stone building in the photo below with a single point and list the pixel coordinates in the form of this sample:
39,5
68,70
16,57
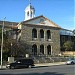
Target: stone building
41,33
44,36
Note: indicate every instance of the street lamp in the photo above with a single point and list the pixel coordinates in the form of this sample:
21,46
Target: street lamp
2,41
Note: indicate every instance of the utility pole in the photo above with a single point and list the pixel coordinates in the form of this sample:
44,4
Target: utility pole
2,42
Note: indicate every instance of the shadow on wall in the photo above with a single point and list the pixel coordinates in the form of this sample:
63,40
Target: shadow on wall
46,73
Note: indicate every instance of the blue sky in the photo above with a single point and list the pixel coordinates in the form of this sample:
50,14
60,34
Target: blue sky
59,11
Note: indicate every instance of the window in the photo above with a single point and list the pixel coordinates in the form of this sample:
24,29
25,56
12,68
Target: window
41,33
28,13
34,33
34,49
49,50
42,49
31,14
48,34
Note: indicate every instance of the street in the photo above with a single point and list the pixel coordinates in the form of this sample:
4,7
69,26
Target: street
47,70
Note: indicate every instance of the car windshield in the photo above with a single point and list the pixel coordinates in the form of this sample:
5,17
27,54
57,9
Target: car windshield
16,61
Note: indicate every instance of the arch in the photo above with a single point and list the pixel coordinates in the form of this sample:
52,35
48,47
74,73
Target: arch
34,33
49,49
48,34
31,14
28,13
41,33
34,49
42,49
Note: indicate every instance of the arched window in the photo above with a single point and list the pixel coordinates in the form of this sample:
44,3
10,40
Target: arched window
34,49
41,33
31,14
34,33
48,34
49,50
42,49
28,13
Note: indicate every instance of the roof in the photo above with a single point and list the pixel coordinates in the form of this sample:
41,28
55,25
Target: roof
8,24
43,24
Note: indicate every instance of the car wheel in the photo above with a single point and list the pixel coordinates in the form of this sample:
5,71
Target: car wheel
72,62
7,67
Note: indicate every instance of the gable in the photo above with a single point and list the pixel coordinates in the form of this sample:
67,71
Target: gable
41,21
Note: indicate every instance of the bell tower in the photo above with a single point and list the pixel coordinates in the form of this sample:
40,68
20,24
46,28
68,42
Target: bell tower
29,11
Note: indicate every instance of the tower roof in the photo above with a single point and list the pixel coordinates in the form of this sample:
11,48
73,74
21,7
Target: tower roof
29,7
29,12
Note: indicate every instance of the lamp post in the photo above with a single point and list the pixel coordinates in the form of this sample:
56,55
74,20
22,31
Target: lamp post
2,42
11,49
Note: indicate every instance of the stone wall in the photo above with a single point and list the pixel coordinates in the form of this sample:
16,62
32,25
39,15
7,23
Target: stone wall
26,35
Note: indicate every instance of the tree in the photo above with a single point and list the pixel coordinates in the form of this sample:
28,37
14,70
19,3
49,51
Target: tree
68,46
17,49
74,31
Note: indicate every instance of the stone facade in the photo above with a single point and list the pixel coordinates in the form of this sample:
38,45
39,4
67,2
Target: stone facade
54,42
47,45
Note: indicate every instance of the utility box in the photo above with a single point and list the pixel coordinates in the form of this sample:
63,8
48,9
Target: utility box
10,59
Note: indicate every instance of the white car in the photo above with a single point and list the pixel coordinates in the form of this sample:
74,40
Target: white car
70,61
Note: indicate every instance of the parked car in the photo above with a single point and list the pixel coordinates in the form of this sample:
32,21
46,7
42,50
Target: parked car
21,63
70,61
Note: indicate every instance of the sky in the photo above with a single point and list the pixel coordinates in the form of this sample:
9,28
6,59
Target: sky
60,12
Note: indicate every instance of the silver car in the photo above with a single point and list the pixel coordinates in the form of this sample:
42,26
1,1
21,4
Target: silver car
70,61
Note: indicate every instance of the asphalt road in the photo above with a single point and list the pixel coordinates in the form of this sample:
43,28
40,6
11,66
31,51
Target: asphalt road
50,70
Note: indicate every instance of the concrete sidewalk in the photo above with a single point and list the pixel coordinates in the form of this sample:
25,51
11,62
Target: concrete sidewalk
41,64
50,64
